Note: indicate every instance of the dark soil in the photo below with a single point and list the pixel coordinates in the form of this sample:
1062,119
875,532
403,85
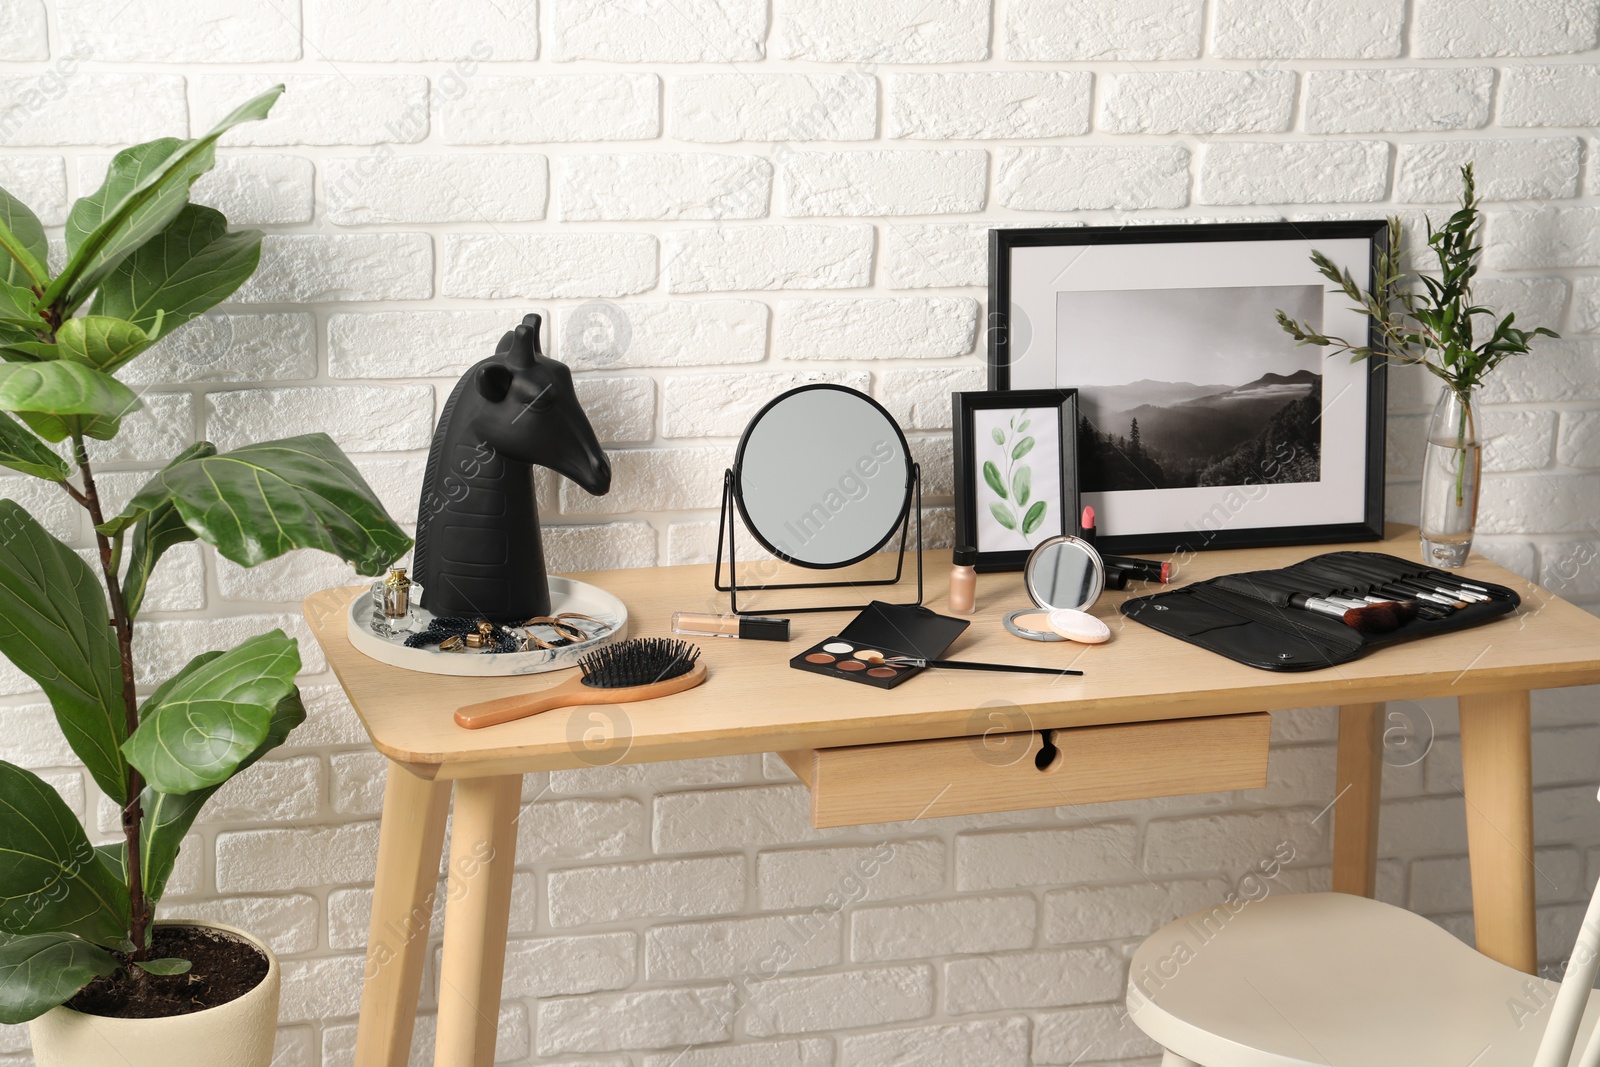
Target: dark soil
224,969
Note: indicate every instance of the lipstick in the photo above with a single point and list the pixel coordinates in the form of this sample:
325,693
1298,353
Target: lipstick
1145,570
1086,524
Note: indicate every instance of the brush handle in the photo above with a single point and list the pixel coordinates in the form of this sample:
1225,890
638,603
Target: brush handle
570,694
968,665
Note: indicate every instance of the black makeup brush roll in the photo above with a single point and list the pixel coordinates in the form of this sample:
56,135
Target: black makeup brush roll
1248,617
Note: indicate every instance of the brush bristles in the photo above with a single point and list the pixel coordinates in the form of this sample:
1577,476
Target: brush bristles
1373,619
639,661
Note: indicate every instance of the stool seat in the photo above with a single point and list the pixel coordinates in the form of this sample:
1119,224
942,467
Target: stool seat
1333,980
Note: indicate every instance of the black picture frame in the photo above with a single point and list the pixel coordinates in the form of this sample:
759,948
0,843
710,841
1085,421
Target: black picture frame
1180,533
970,487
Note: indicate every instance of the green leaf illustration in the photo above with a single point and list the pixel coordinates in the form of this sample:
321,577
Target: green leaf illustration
1025,424
991,474
999,436
1035,516
1022,485
1002,514
1022,448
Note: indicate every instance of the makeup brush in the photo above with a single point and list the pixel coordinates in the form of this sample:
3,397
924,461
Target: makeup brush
1371,619
1379,618
1409,609
1446,578
637,669
969,665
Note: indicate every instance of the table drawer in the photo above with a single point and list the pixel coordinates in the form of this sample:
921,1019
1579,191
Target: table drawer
1039,769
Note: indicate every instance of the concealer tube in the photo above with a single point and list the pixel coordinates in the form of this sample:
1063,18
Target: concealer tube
749,627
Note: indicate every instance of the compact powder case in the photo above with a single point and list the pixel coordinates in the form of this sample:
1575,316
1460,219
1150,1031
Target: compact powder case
1064,576
1030,624
1064,572
882,630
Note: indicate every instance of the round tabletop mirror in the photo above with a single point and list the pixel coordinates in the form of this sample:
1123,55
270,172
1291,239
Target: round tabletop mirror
1064,572
823,476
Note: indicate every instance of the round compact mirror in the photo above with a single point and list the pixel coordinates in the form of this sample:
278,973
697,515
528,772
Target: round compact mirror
823,476
1064,572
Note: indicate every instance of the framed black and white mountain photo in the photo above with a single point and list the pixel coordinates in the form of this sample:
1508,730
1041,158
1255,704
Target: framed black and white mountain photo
1201,423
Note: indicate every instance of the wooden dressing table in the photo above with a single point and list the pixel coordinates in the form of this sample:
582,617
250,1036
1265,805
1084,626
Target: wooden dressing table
1152,716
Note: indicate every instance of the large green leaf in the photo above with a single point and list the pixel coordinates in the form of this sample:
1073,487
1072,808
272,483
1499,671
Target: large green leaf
41,971
156,528
23,248
17,306
258,502
55,627
198,729
19,347
42,393
22,451
168,816
145,189
181,273
101,342
51,879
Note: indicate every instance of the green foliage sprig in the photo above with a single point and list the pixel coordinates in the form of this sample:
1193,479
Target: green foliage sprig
141,262
1014,488
1432,327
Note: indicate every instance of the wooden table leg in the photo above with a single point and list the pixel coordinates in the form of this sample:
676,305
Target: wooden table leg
1358,787
1497,780
409,843
477,913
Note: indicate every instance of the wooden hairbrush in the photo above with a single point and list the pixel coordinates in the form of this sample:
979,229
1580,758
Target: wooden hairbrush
637,669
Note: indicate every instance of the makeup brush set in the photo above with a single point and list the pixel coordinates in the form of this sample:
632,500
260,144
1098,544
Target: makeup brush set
1322,611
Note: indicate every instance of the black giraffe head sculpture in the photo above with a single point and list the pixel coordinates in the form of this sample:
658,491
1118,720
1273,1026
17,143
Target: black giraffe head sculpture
478,550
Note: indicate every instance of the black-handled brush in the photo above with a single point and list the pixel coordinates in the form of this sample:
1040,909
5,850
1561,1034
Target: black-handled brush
971,665
1370,619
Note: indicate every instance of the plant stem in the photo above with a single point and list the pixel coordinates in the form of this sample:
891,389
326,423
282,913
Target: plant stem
132,811
1465,400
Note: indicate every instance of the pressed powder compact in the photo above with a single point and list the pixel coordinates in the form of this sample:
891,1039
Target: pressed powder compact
881,632
1064,577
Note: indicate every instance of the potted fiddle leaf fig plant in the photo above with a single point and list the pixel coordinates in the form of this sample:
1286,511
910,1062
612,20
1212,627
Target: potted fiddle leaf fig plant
1433,327
81,954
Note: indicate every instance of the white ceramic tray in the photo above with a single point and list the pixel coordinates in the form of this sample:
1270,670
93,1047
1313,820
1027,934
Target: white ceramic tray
368,634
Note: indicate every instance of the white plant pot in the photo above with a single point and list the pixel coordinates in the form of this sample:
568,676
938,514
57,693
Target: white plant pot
239,1033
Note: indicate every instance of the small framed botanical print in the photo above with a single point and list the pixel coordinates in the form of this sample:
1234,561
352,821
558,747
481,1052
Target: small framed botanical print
1016,472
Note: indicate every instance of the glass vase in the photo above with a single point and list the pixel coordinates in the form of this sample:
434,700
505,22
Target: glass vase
1450,480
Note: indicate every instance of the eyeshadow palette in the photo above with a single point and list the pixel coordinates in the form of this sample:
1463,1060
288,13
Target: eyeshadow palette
882,630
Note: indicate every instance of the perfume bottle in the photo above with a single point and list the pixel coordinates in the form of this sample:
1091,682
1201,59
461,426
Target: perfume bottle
392,598
396,594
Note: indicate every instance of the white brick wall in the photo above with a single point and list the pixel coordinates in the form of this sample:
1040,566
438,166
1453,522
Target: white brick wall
712,201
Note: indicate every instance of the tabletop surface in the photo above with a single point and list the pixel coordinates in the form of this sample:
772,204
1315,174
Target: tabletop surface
753,701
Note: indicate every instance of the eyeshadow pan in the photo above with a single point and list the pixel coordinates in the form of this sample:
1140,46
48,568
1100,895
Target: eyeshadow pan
838,647
819,657
882,672
870,655
851,665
